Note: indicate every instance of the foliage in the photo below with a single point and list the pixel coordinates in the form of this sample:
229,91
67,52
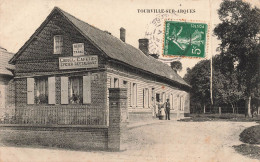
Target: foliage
176,65
239,34
251,135
199,79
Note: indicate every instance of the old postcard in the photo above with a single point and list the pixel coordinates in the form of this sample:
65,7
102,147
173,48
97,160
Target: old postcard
113,80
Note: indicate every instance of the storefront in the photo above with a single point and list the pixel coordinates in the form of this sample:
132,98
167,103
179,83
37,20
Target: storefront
63,72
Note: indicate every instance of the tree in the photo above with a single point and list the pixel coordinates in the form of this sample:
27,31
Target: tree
225,84
199,79
239,31
176,66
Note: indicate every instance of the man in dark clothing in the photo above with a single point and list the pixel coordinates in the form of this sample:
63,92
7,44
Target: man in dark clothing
167,109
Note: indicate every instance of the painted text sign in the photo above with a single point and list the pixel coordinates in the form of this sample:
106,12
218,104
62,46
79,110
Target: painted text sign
78,49
185,39
78,62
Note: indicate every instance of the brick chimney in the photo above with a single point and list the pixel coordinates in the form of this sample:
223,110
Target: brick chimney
122,34
144,45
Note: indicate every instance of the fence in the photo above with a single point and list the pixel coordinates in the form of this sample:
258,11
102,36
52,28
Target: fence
61,116
215,109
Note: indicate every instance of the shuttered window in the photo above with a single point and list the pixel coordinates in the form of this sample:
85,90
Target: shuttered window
64,90
58,44
87,89
41,96
116,83
112,85
30,90
51,87
75,90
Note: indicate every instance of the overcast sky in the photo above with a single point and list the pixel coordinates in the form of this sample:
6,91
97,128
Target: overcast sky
20,18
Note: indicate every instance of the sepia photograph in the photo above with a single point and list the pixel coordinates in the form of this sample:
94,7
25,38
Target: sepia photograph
129,81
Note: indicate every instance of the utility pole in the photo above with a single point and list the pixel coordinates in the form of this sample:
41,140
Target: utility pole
211,62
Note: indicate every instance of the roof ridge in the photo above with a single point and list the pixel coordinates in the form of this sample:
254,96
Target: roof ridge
78,19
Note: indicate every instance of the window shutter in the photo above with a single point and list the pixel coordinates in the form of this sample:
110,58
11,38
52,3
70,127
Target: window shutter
112,82
64,90
87,89
51,87
30,90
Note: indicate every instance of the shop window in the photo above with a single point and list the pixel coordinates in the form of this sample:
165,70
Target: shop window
75,90
58,44
41,96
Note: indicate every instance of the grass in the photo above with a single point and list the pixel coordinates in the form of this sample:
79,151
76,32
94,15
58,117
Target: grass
220,117
248,150
251,135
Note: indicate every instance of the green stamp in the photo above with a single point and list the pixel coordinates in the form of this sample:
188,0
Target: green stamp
185,39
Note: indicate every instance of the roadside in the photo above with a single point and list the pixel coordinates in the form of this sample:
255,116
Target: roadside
220,117
250,136
160,141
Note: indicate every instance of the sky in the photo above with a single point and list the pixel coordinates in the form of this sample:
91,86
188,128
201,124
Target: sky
20,18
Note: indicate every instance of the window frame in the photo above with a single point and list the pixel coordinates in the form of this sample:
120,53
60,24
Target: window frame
78,98
55,44
38,99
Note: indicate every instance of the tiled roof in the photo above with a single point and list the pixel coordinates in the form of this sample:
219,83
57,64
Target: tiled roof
118,50
5,66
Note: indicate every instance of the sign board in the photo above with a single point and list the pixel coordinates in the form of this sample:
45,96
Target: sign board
185,39
78,49
78,62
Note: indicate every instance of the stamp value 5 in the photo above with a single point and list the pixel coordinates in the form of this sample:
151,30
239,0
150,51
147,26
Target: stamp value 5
185,39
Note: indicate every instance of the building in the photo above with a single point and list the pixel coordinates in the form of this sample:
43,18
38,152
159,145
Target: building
6,86
63,73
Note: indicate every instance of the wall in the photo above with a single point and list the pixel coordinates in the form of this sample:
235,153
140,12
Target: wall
147,81
98,103
37,59
77,138
7,106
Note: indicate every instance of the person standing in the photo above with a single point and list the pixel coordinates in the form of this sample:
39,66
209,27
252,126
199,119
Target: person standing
167,109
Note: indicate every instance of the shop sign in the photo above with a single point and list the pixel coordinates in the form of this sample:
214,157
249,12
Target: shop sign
78,49
78,62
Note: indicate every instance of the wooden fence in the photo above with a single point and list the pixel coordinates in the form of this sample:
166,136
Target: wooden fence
61,116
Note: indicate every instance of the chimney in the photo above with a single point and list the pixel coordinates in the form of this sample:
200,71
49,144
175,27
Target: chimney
122,34
143,46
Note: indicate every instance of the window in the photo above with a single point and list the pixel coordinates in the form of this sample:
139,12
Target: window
116,83
41,96
157,97
75,90
134,94
125,84
58,44
145,98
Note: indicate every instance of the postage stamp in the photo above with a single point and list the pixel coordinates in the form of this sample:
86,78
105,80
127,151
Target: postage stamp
186,39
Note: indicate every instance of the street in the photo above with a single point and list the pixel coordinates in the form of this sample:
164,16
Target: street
157,141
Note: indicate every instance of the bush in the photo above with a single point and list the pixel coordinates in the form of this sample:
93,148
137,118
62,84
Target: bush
251,135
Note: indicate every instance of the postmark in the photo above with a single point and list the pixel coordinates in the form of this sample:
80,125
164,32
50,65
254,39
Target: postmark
185,39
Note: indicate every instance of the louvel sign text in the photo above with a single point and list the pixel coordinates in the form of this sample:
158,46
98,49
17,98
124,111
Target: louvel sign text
78,62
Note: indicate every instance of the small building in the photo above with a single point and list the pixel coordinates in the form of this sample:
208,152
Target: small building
6,86
63,73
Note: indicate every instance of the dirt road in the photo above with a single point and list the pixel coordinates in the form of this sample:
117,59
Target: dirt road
164,141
